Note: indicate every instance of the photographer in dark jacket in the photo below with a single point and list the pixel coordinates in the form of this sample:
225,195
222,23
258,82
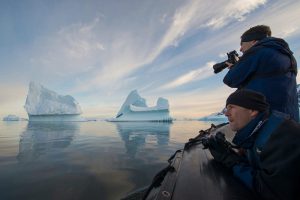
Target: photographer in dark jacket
267,152
267,66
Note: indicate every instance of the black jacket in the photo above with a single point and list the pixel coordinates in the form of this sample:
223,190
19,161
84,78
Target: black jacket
273,154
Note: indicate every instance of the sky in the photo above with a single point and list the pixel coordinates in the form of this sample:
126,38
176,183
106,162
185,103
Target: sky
98,51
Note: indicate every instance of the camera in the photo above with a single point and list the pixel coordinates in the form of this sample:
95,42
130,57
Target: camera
232,58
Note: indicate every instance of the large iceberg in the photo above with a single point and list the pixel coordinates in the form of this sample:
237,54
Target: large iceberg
135,109
43,104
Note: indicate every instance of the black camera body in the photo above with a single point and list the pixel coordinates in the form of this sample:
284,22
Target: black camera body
231,59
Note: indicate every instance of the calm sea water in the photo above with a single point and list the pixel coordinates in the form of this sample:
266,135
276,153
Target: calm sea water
85,160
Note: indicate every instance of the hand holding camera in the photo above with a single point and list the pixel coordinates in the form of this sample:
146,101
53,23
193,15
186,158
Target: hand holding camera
233,57
222,150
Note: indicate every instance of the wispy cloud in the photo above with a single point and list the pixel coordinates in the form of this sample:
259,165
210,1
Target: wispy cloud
132,55
111,55
198,74
289,31
181,22
232,10
70,50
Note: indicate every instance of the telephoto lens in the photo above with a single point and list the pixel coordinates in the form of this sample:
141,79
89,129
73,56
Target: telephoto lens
233,57
219,67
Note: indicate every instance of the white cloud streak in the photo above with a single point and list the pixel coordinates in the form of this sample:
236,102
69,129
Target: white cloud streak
69,51
131,55
88,47
198,74
232,10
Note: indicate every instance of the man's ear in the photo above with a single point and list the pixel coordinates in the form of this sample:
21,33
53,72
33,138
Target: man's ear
253,113
253,42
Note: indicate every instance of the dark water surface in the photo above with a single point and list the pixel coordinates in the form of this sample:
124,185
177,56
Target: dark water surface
85,160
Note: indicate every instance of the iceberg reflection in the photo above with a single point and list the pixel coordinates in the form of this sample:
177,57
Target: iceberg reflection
40,138
137,134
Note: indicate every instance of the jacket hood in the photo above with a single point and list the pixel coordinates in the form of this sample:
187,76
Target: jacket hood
275,43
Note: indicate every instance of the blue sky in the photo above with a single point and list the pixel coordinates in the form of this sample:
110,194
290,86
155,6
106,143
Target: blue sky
99,50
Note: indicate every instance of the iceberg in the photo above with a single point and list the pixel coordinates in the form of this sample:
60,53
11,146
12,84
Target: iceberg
11,118
215,117
135,109
43,104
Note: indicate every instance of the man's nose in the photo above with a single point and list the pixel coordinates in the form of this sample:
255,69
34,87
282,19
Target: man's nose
227,112
241,49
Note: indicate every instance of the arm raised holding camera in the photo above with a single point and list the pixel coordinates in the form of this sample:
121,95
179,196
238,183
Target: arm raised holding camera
267,66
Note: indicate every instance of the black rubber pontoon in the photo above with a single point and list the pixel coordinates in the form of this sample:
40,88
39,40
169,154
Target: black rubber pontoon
192,174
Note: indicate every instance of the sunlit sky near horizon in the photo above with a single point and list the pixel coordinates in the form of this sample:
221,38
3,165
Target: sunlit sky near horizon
99,50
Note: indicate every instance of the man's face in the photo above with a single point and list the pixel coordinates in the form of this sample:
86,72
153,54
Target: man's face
239,117
247,45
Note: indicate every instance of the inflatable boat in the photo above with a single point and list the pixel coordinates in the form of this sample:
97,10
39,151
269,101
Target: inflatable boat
192,174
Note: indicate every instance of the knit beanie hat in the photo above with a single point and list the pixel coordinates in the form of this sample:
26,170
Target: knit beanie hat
258,32
253,36
248,99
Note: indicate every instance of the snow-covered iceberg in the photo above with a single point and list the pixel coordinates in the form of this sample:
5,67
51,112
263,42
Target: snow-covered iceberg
135,109
11,118
43,104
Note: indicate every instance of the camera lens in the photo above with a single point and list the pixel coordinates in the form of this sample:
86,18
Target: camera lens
219,67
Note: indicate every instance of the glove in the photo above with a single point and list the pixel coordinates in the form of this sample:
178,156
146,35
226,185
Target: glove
221,150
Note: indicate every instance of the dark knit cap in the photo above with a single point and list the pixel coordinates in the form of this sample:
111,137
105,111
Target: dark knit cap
257,33
248,99
253,36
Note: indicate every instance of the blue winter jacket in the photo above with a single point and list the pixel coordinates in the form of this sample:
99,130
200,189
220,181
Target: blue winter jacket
273,156
268,67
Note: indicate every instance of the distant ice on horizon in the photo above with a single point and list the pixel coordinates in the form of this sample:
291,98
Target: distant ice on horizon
135,109
11,118
218,117
214,117
43,104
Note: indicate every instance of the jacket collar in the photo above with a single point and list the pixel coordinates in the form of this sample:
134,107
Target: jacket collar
245,137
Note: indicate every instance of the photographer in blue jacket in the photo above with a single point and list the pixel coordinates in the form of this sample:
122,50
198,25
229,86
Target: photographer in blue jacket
267,66
265,154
